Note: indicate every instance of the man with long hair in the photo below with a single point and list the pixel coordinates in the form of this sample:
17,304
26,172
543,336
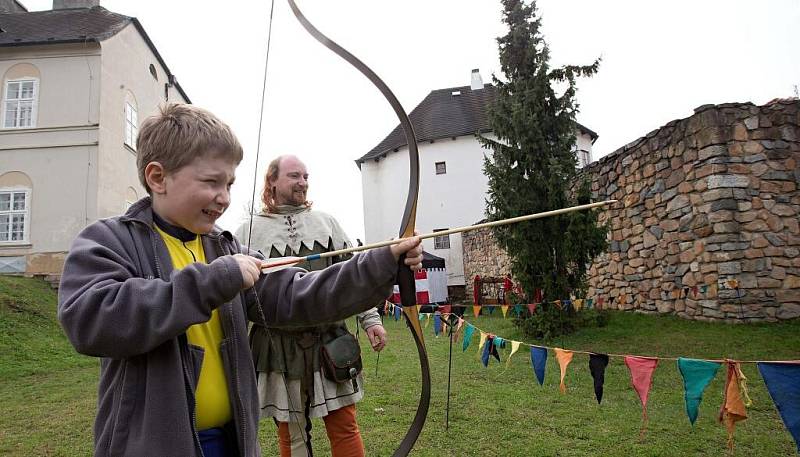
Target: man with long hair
292,385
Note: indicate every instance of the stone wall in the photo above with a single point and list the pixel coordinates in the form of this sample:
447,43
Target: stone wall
707,221
482,257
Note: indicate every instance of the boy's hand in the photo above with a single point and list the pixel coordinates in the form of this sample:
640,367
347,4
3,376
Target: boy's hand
250,268
412,248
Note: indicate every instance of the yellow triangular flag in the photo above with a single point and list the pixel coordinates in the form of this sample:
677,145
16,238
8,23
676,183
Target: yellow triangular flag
578,304
504,308
514,348
480,344
564,358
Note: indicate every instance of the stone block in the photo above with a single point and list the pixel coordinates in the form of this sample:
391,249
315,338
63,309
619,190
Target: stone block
788,311
680,201
729,268
775,239
769,283
777,272
727,181
716,194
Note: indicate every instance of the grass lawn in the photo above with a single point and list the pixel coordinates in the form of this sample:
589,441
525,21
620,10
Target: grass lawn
48,392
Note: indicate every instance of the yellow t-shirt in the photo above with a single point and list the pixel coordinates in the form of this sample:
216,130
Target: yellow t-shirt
213,408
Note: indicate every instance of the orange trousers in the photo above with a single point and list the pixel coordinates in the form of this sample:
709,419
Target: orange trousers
342,430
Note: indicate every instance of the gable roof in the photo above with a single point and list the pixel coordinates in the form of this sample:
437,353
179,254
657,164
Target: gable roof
72,25
445,113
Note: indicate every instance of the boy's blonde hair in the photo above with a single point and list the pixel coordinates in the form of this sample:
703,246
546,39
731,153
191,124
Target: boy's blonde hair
180,133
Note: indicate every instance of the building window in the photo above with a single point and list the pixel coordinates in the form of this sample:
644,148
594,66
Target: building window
14,215
20,103
441,168
584,159
131,125
441,242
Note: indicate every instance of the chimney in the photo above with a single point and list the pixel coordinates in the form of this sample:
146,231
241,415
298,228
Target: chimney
477,82
64,4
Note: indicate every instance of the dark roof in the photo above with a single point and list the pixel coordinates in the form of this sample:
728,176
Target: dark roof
445,115
431,261
72,25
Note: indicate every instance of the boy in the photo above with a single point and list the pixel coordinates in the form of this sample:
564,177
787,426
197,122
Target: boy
163,297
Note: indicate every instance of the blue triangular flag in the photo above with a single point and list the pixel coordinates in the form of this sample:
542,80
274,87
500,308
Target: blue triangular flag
437,324
397,311
783,384
468,336
487,348
538,361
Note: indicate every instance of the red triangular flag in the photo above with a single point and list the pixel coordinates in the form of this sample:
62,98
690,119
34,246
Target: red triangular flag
642,369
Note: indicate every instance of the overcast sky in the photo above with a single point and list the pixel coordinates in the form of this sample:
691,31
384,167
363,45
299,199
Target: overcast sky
660,61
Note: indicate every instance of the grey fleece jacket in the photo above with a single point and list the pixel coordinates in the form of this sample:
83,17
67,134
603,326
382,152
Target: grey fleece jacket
120,300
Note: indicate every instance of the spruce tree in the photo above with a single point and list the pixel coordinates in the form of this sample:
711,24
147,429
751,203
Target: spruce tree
533,165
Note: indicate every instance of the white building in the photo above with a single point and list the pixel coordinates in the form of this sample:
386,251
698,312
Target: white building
76,80
453,187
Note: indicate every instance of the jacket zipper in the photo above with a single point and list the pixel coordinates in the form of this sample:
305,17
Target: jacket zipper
188,387
235,360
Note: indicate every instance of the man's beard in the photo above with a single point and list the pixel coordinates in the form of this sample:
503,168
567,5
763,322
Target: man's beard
295,198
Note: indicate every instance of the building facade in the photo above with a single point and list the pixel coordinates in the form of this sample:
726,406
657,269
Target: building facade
76,80
453,187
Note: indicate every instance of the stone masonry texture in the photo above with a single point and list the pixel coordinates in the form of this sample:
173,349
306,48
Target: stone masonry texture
706,226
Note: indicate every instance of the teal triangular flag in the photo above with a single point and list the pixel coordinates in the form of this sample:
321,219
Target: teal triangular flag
468,336
696,376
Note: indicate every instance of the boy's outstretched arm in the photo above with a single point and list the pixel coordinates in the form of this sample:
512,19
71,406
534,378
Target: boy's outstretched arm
106,310
294,297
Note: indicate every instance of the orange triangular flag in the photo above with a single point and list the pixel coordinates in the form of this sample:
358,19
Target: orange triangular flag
476,310
564,358
733,405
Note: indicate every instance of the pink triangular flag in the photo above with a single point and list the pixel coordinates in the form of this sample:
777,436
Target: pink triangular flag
642,369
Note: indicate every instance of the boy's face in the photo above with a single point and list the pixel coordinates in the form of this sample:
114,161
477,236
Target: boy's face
195,196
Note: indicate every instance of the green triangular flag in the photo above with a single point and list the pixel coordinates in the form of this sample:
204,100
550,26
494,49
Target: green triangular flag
696,376
468,336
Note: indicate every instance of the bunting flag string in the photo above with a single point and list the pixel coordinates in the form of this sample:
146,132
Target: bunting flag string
671,358
781,377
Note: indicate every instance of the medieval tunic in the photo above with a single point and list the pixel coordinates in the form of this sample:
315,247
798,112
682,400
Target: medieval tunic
288,359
